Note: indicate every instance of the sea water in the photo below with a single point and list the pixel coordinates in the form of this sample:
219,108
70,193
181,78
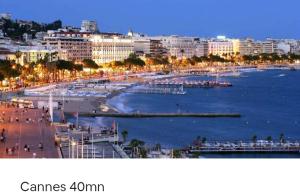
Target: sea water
267,100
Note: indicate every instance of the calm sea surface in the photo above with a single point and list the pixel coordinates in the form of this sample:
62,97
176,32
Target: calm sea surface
269,102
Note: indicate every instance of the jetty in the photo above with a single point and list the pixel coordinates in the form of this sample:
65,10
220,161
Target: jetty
189,84
152,89
162,115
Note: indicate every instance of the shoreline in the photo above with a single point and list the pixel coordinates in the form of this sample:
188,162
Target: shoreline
92,104
274,67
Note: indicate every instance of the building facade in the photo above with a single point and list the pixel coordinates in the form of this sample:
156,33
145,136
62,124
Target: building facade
201,48
181,47
269,46
243,46
31,54
73,46
6,54
283,48
109,48
221,47
148,46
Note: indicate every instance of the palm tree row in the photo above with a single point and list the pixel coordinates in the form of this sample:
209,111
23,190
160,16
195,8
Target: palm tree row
46,70
43,71
282,138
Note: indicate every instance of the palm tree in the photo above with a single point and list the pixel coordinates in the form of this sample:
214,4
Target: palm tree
62,66
77,68
176,153
198,141
182,52
282,138
269,139
134,60
137,147
204,140
18,55
254,139
124,135
54,55
158,147
1,79
143,153
52,70
173,59
136,143
91,64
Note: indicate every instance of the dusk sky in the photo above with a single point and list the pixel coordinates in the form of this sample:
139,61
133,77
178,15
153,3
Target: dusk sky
204,18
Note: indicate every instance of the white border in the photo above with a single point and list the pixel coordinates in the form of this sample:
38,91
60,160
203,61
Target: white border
157,177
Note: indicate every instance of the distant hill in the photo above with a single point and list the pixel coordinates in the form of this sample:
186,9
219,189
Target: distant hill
16,28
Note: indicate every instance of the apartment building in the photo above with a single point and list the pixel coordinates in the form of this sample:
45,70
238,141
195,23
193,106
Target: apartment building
201,48
181,47
148,46
269,46
76,45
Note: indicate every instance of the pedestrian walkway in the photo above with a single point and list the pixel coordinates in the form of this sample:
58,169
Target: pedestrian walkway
26,133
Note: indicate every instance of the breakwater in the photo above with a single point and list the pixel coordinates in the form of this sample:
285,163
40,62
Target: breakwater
162,115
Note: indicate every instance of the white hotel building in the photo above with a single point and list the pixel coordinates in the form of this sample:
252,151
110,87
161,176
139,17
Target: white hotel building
109,48
220,46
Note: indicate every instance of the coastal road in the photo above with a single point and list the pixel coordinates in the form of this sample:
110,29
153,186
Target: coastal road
32,133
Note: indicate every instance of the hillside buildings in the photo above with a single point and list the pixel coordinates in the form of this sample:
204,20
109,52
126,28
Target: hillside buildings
76,44
89,26
6,16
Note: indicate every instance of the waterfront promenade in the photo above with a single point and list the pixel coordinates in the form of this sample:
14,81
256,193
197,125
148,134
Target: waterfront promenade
260,146
25,127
